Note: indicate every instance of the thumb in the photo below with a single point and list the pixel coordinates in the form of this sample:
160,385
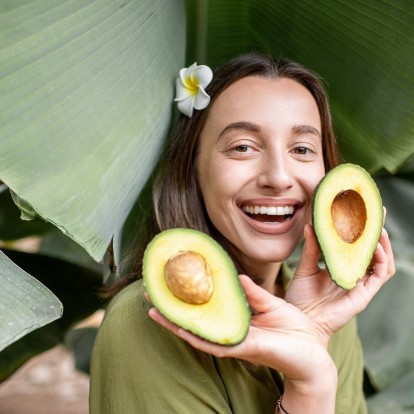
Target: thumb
308,263
259,299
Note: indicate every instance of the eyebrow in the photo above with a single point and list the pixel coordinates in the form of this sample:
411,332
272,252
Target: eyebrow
247,126
305,129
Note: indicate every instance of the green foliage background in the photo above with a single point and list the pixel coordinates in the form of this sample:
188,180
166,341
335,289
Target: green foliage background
86,94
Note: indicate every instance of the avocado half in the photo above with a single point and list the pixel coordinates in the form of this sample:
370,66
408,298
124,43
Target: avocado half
193,282
347,218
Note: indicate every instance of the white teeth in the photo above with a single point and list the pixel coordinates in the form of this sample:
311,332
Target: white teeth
270,211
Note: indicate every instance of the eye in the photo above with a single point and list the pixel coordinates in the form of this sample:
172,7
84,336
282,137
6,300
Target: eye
302,150
241,148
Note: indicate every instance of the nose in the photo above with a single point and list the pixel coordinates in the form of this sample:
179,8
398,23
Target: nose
275,174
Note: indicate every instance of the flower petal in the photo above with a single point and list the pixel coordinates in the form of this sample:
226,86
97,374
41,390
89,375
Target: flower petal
186,106
181,92
185,75
201,100
190,93
202,75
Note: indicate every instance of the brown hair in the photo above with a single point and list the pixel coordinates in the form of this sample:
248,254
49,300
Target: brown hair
177,201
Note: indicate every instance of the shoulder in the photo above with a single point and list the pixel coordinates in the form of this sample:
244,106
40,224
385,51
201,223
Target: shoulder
129,302
137,364
126,318
127,326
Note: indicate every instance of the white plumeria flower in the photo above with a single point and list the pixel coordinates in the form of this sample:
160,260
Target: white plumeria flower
190,93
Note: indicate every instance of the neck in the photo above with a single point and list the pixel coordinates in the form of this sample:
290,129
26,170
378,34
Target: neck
265,275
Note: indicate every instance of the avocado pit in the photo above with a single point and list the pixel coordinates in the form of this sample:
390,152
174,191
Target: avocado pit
189,277
349,215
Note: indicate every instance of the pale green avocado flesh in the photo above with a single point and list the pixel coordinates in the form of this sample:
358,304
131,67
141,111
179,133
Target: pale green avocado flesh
223,316
347,217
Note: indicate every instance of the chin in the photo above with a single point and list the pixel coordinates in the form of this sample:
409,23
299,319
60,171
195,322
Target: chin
266,255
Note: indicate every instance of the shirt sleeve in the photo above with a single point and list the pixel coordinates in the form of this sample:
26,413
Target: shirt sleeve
139,367
346,351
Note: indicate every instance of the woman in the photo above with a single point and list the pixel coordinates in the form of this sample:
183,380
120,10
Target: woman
264,141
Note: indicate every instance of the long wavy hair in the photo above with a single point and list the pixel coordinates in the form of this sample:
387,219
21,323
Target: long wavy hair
176,197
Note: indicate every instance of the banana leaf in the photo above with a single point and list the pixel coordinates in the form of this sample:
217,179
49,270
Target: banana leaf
385,327
75,285
11,226
363,50
398,398
86,93
25,303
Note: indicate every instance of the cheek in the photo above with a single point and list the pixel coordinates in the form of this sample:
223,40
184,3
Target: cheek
216,177
216,185
208,171
319,175
311,178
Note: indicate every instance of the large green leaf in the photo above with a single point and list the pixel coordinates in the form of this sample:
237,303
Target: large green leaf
386,332
55,244
398,197
75,285
387,337
363,49
397,399
25,304
385,327
133,230
11,226
86,93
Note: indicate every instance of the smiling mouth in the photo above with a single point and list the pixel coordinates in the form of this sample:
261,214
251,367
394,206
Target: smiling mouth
271,214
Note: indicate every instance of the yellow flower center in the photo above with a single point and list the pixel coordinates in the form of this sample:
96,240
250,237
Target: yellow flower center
191,84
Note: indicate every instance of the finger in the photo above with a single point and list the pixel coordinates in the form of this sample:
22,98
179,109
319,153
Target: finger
157,316
259,299
146,296
209,347
386,244
374,280
308,264
383,264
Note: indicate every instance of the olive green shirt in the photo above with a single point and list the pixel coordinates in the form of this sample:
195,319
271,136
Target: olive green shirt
140,367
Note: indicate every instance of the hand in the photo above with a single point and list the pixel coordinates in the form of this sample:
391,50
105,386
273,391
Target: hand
280,336
327,305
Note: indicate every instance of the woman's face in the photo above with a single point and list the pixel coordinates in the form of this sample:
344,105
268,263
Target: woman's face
260,158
